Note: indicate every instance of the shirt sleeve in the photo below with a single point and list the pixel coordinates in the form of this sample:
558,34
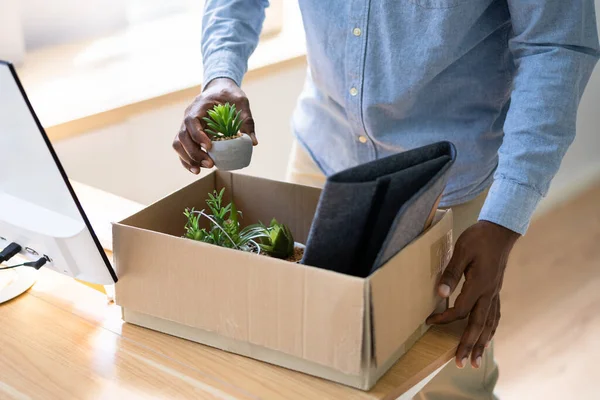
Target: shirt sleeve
230,32
555,48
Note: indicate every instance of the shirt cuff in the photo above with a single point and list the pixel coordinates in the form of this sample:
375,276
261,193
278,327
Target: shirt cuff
224,64
510,204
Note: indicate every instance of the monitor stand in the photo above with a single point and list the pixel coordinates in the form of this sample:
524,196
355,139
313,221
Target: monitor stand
14,282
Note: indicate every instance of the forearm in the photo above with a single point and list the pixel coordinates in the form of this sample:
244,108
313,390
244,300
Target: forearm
230,32
553,66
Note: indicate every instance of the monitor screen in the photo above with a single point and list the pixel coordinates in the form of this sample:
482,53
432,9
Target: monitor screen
38,207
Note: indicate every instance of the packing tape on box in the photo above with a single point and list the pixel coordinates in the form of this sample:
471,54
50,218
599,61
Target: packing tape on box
441,253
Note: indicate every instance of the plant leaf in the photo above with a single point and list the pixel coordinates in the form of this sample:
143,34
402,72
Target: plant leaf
233,214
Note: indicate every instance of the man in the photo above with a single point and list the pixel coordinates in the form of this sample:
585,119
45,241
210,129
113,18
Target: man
501,79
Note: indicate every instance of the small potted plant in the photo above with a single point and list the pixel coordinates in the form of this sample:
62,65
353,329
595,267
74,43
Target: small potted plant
278,242
224,225
275,240
231,149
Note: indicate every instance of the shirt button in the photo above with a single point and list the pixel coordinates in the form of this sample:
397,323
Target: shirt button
362,139
353,91
356,31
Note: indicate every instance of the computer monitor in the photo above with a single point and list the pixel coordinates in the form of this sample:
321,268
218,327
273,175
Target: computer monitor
38,206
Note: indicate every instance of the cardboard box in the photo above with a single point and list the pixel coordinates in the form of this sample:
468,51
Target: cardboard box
338,327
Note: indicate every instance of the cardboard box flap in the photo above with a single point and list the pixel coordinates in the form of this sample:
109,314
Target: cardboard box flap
391,290
166,214
261,200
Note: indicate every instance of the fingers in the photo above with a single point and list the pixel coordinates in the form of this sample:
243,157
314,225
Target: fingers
462,307
496,321
196,132
475,327
190,153
193,166
202,110
453,272
194,170
486,335
248,124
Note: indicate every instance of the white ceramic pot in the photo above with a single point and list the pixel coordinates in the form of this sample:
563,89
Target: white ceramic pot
299,246
232,154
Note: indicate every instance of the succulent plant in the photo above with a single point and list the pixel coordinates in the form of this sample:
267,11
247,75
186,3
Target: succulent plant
277,241
223,121
224,226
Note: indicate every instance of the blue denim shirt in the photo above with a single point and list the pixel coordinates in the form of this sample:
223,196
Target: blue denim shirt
501,79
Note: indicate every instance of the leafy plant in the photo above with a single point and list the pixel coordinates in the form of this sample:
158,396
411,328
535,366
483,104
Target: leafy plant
223,121
224,226
278,241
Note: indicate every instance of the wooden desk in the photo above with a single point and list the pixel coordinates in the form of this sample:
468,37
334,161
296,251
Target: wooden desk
62,340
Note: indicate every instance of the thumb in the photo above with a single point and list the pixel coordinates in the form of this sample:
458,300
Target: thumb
453,273
248,126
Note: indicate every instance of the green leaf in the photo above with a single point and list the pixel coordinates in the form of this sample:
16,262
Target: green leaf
212,125
223,120
230,113
224,229
279,242
213,114
237,122
233,214
213,133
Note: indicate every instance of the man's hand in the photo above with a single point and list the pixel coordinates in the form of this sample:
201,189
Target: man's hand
481,253
192,143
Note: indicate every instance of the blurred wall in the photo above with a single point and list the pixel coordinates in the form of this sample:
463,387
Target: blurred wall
55,22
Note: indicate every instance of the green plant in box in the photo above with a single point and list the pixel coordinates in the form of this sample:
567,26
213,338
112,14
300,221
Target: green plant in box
224,226
278,241
223,121
275,240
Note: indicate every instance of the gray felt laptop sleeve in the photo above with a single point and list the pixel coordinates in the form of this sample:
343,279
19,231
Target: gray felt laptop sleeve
368,213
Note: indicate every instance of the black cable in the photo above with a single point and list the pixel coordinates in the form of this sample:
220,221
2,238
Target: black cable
9,252
34,264
12,266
